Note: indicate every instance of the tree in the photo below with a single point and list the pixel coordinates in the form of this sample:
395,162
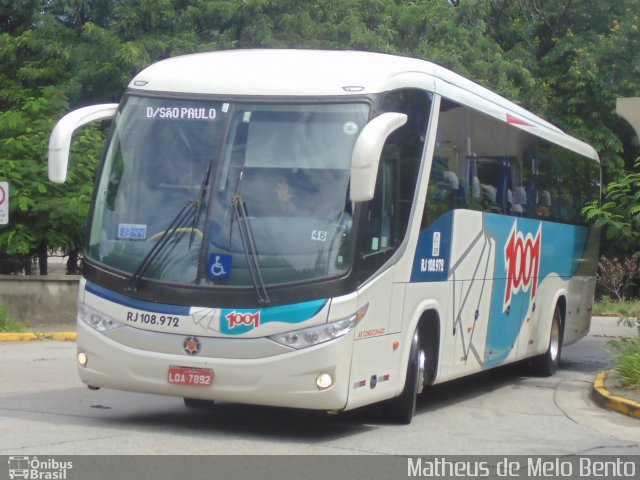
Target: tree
43,216
619,214
583,56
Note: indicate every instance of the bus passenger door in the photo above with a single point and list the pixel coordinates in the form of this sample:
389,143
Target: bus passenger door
380,242
373,356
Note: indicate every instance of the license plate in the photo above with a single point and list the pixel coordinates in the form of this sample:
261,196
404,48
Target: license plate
197,377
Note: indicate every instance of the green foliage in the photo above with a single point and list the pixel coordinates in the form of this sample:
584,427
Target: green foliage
619,213
42,213
626,359
615,308
7,323
625,352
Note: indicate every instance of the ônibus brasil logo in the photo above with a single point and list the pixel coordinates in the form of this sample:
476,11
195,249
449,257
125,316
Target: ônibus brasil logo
243,318
522,262
38,469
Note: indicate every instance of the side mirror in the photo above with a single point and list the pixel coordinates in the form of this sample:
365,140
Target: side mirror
60,141
366,154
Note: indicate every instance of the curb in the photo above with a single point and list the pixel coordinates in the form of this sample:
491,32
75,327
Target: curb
28,336
610,401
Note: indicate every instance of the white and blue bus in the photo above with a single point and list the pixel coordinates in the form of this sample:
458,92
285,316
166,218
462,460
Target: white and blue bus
326,230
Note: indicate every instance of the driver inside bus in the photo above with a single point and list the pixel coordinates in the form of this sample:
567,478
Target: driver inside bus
285,200
320,204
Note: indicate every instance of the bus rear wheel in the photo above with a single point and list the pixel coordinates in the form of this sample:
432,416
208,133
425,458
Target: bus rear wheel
402,408
547,363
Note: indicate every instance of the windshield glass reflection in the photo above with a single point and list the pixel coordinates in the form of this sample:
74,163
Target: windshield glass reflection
288,165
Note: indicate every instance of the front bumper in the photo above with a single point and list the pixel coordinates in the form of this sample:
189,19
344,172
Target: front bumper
285,380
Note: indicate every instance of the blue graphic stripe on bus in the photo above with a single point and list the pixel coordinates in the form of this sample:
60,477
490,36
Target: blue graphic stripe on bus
134,302
528,251
242,320
433,252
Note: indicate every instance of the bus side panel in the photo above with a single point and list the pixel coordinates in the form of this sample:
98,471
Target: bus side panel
538,262
454,265
472,274
376,366
377,371
505,275
582,291
580,302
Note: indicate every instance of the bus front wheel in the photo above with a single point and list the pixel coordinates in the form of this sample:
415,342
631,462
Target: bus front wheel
402,408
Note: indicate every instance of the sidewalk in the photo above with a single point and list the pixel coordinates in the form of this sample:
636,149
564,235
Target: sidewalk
609,327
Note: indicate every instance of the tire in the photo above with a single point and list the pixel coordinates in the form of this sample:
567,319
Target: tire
547,363
197,403
402,408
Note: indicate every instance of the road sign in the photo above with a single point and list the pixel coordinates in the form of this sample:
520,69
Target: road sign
4,203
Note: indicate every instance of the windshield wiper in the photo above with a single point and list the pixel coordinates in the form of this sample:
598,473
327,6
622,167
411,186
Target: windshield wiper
200,202
192,207
248,243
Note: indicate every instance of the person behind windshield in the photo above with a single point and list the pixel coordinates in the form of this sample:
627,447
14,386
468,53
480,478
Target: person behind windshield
321,205
285,201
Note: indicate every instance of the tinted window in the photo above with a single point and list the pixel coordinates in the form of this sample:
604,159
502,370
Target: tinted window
481,163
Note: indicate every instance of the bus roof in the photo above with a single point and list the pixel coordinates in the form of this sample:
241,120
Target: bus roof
318,73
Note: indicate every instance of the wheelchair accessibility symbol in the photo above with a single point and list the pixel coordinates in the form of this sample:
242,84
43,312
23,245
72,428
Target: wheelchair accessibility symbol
219,266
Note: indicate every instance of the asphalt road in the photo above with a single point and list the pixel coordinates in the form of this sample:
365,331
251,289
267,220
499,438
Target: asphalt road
44,409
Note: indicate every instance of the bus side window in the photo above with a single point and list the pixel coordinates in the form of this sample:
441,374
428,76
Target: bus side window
446,191
488,180
381,231
519,201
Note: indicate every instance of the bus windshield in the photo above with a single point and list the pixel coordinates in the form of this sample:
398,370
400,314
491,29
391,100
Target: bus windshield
222,189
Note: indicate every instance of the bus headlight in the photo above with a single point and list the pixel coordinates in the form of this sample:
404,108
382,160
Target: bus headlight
308,337
96,320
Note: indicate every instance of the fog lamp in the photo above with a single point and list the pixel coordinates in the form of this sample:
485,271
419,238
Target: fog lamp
324,381
82,359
